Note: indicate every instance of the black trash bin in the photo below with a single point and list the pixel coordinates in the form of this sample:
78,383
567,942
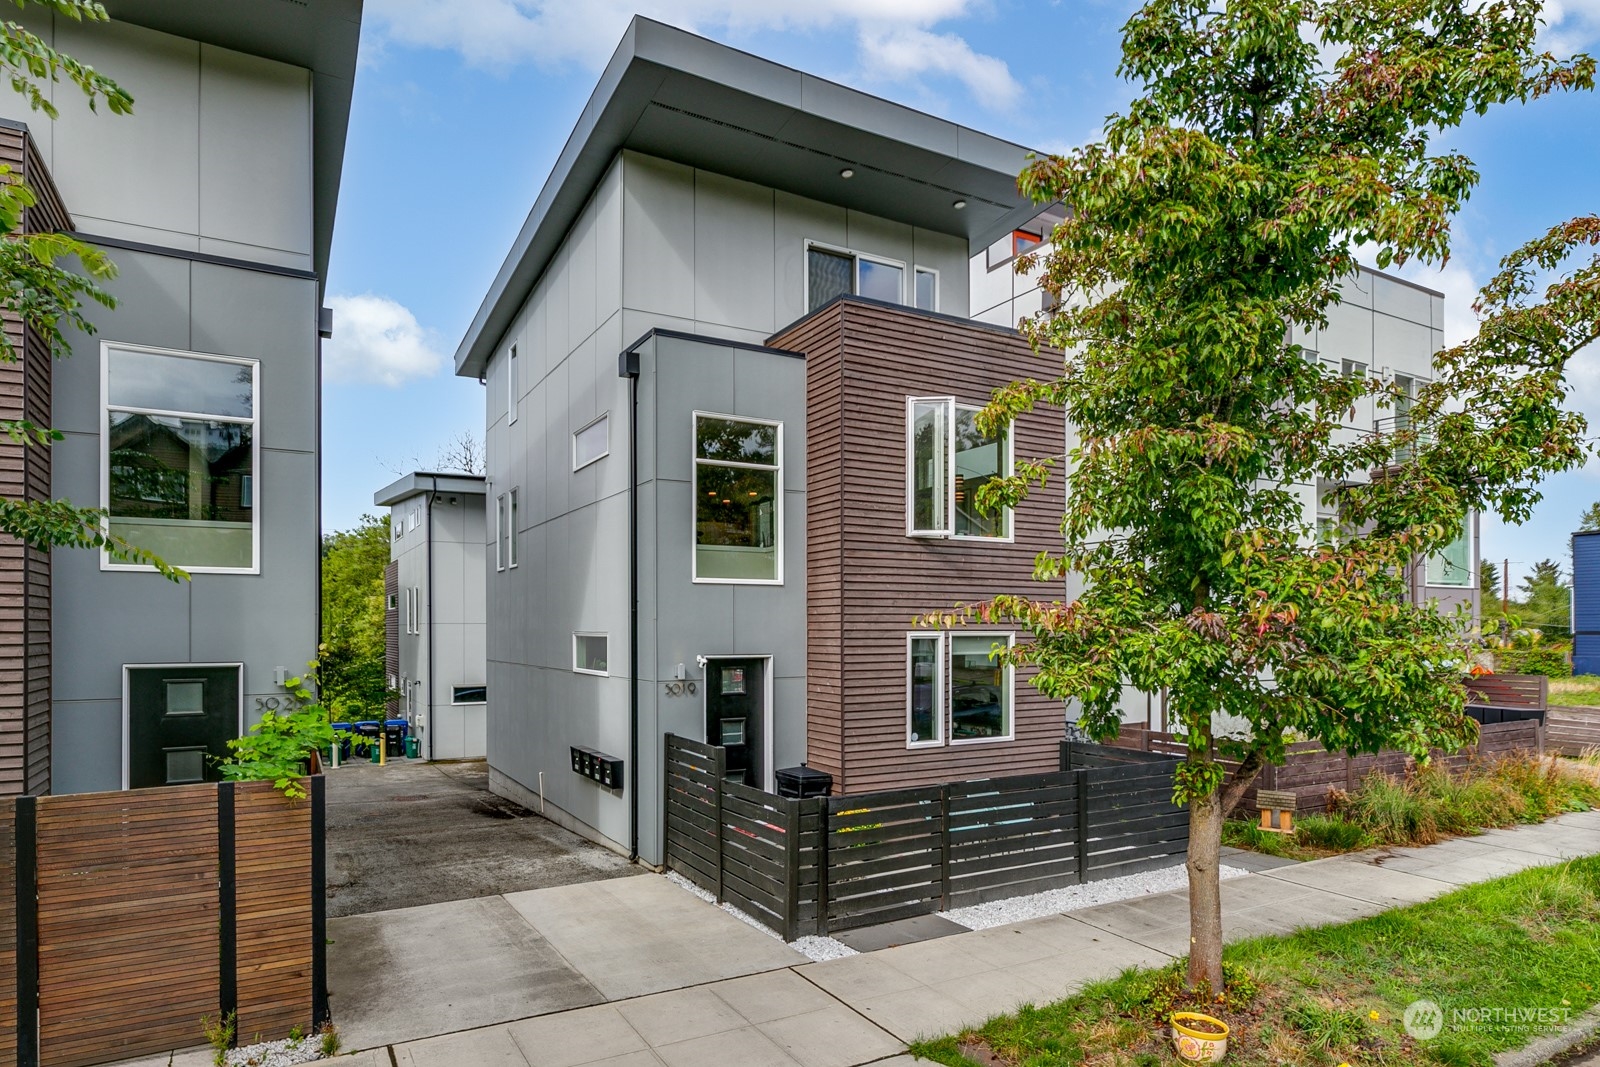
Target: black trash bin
803,781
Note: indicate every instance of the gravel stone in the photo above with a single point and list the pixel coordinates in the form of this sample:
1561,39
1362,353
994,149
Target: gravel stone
1087,895
812,947
276,1053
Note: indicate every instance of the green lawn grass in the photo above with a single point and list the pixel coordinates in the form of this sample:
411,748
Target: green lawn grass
1337,994
1581,690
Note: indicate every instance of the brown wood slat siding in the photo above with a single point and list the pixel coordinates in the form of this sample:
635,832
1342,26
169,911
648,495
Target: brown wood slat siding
391,634
25,474
866,580
8,934
128,914
273,915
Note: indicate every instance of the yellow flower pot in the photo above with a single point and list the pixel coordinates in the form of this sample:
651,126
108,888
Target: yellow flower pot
1207,1043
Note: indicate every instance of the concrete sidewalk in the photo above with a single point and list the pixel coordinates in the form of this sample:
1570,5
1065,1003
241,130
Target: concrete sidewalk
657,965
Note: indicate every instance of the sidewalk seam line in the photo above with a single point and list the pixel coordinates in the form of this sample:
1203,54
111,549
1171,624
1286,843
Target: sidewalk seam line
851,1007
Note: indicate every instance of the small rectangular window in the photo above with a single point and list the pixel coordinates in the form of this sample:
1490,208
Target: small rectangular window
925,690
738,493
392,601
589,653
835,272
591,443
247,491
1023,242
511,385
1452,564
1350,368
948,461
927,295
469,694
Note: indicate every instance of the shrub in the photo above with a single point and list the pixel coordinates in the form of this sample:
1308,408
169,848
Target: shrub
1548,660
1391,811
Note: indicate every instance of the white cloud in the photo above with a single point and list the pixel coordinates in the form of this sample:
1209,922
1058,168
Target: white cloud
1570,26
894,37
378,341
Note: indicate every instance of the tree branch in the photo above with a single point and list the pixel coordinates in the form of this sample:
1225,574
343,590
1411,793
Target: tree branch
1243,776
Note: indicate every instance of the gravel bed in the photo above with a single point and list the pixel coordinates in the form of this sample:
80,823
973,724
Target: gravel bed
812,947
277,1053
1056,901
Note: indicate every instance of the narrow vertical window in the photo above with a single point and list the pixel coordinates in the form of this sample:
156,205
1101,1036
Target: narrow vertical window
925,689
500,532
929,447
979,459
511,529
511,386
738,493
927,289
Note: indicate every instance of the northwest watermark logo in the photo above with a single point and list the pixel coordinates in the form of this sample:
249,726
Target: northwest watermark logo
1425,1019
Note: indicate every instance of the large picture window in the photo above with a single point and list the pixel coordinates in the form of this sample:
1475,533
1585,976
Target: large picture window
179,456
738,494
948,460
956,689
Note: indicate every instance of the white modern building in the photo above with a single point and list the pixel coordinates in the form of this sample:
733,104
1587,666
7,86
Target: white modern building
434,589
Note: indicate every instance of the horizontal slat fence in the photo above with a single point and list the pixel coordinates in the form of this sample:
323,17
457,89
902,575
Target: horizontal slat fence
129,916
1572,731
1313,773
836,863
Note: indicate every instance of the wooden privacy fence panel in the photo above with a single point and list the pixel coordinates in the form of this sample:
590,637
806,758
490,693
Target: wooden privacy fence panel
885,856
273,883
129,916
1572,731
128,913
1313,773
827,864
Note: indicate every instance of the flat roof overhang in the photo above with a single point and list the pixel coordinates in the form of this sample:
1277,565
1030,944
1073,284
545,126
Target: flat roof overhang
320,35
681,97
419,482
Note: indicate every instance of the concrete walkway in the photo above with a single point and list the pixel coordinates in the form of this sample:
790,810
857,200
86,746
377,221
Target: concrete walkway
667,980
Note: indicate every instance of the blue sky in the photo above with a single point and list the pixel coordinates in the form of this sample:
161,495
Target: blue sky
460,110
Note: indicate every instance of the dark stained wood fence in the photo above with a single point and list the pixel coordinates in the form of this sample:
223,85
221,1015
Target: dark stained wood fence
1506,697
137,913
1313,773
827,864
1572,731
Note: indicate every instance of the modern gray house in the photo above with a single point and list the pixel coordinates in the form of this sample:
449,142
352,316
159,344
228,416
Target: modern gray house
192,415
653,442
434,590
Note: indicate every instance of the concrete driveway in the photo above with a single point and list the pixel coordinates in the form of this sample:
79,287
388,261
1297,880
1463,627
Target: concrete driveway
409,833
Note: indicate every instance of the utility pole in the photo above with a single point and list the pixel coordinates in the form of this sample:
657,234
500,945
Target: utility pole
1505,587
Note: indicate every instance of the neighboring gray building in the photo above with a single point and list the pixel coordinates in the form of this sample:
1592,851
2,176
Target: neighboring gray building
435,588
707,199
192,414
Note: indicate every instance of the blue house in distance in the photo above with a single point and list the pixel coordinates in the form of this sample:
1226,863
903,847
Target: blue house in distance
1586,602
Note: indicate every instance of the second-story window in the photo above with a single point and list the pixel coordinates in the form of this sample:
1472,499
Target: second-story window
949,459
835,272
738,494
511,385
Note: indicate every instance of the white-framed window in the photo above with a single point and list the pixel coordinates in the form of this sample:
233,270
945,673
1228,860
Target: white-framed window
948,459
592,442
589,653
416,610
415,518
469,694
738,500
397,525
957,691
179,448
1452,564
925,289
501,520
405,610
834,272
924,690
391,602
511,385
511,527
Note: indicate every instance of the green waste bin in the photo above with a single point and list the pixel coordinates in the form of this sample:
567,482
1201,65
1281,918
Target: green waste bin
413,750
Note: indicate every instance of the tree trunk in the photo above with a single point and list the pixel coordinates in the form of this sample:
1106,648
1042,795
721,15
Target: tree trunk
1205,891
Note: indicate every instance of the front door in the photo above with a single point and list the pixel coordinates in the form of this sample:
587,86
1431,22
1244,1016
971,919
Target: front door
736,695
180,720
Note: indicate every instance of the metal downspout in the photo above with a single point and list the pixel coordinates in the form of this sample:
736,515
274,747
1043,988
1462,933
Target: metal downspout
628,367
432,493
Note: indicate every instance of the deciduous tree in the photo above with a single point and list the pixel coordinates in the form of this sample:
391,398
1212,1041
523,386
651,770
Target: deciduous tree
1218,216
350,677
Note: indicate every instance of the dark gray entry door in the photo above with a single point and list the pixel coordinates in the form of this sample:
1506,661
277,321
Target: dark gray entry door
735,709
180,720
